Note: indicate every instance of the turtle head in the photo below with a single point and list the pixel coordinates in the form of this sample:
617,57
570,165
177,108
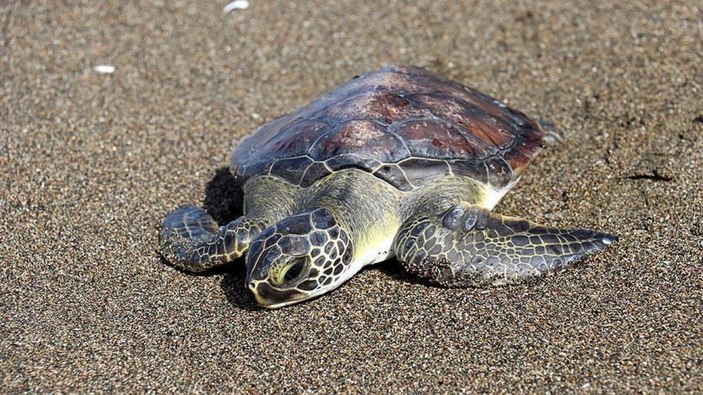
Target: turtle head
300,257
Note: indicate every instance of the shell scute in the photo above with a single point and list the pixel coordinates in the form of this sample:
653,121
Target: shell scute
377,105
347,160
314,172
499,171
394,175
417,170
436,138
475,169
483,126
360,137
300,134
291,168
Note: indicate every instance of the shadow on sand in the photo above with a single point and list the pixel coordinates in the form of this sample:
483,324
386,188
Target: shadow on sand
223,197
224,201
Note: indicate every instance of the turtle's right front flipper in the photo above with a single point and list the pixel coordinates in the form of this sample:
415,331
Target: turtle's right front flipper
468,245
192,241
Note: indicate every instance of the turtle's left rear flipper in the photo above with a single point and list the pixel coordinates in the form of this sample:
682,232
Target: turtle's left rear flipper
468,245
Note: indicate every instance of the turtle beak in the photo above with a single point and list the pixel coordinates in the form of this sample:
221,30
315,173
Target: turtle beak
273,298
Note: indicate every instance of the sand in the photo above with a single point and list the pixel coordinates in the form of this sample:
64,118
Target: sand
91,162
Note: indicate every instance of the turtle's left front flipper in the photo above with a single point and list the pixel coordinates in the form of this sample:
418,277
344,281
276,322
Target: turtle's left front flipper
191,239
468,246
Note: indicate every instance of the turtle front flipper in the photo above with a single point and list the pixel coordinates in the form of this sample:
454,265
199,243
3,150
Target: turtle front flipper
192,241
469,246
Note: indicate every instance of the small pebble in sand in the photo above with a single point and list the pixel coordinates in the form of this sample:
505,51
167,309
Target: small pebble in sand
236,5
104,69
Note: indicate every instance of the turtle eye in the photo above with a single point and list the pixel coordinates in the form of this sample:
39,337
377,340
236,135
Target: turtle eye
294,271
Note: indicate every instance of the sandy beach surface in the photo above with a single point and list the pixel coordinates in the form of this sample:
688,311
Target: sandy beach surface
91,159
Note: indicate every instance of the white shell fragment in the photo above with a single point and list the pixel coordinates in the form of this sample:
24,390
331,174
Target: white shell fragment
236,5
104,69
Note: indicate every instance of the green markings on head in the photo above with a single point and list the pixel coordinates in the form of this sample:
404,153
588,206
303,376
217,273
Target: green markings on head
298,258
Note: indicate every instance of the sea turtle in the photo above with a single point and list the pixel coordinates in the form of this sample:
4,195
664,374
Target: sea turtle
397,162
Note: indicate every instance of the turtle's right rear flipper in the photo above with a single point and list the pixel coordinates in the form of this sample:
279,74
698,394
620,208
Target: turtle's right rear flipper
192,241
470,246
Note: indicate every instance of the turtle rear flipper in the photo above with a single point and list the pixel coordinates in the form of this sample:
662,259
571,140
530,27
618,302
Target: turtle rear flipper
552,134
468,245
192,241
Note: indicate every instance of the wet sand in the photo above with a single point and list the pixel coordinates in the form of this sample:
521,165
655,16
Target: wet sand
92,162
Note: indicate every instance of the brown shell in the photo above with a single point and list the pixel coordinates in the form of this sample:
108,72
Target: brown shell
403,124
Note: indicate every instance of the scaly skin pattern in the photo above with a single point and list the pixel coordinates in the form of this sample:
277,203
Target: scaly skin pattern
192,241
469,246
300,254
